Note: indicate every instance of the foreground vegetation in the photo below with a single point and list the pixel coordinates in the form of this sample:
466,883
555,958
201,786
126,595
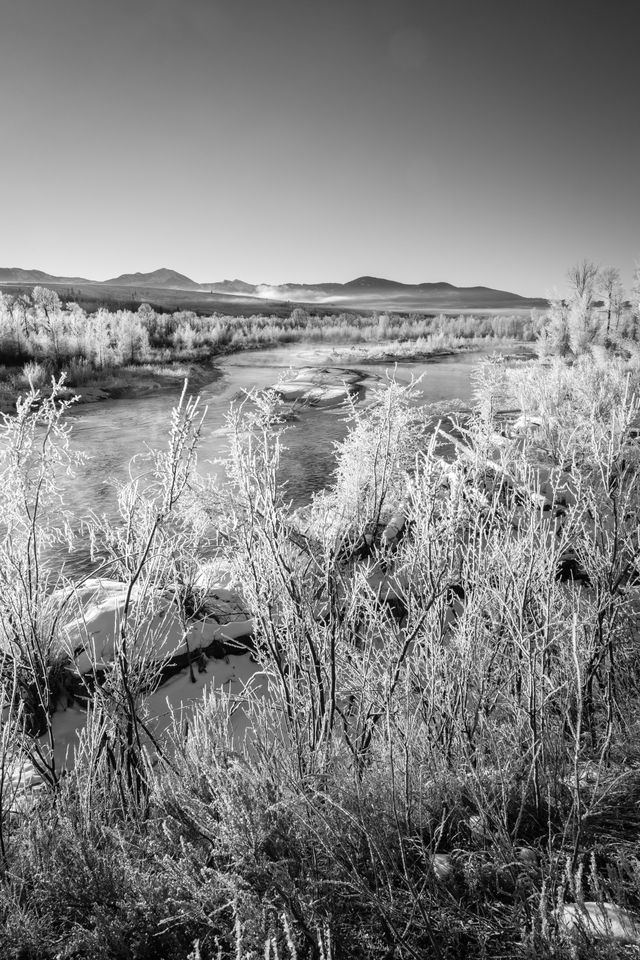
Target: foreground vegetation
446,755
438,755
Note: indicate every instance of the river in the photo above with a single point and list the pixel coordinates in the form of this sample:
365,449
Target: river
112,432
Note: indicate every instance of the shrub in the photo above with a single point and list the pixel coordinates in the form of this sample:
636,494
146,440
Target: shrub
35,374
437,750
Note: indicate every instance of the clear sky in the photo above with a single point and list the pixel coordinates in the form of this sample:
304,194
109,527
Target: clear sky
474,141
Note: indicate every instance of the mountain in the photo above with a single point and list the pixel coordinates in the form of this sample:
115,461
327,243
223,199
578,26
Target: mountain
230,286
378,293
171,290
374,283
157,278
18,275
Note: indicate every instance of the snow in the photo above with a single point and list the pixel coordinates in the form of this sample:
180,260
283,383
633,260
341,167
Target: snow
174,700
91,639
178,698
153,625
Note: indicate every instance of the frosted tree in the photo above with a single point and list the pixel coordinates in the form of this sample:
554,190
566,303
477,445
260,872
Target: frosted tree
74,321
572,325
98,343
48,312
553,339
635,290
130,336
185,337
8,339
583,279
582,324
610,287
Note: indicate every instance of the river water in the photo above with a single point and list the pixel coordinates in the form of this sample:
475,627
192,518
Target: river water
112,432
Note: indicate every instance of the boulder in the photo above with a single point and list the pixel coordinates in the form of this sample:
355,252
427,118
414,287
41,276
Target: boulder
154,624
324,386
394,526
599,921
442,867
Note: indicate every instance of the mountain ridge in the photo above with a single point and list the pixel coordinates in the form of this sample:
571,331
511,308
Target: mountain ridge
364,292
20,275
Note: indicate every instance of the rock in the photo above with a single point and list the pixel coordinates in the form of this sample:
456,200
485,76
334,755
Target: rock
316,395
326,395
325,375
293,390
319,386
442,867
527,855
525,423
477,827
394,526
213,574
599,920
156,628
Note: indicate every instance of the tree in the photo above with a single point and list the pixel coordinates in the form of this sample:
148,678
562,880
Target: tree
20,308
299,317
582,279
130,335
146,313
611,288
99,336
48,311
618,304
582,326
10,328
553,338
635,290
46,301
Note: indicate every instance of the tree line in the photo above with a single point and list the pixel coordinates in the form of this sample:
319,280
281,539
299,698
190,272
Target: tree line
40,327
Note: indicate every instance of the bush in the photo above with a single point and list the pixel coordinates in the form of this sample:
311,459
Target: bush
439,750
35,374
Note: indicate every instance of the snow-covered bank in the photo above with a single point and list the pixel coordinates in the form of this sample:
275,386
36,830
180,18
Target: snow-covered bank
182,656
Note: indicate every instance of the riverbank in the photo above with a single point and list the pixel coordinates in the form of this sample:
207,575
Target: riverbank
404,351
136,381
124,383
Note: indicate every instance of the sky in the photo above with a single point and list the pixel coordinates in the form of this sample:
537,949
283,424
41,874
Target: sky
491,142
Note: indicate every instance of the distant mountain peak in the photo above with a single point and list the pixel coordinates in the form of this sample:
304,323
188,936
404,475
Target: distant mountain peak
377,283
163,277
